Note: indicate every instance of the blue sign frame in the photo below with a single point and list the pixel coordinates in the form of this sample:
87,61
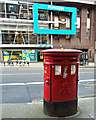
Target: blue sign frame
72,10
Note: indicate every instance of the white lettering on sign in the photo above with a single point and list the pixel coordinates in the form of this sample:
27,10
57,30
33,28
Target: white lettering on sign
55,7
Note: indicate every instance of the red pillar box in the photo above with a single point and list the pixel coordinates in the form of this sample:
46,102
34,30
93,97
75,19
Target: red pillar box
61,81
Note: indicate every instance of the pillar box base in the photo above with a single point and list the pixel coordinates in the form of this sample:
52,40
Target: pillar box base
60,109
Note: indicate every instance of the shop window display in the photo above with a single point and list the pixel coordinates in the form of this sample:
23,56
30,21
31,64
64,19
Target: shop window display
23,37
12,11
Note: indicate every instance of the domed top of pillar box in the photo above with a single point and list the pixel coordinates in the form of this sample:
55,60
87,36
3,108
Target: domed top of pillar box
61,52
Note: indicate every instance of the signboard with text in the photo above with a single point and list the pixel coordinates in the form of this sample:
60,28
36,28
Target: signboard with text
28,55
71,10
6,55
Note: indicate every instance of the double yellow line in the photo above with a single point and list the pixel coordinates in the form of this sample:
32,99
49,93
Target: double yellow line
42,100
37,101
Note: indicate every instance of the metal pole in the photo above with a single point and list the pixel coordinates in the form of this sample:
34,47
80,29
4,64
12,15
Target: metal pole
51,27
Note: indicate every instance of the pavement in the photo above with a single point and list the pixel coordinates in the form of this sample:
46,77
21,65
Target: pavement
86,109
40,64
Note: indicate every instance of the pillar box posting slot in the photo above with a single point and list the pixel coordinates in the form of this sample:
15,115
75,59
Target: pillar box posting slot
61,81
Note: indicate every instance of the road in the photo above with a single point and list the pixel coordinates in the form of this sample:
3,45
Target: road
25,84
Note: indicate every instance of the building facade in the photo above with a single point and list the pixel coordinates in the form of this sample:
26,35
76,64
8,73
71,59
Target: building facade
17,38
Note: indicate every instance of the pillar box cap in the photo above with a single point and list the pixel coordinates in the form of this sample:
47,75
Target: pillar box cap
61,52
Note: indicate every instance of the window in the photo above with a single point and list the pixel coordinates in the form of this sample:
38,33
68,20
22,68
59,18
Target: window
88,34
88,24
95,57
43,15
90,54
7,37
56,37
78,33
14,37
24,6
12,11
2,10
78,12
42,39
30,9
56,19
2,7
32,39
24,12
88,13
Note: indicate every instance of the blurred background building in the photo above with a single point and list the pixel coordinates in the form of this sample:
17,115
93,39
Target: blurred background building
17,38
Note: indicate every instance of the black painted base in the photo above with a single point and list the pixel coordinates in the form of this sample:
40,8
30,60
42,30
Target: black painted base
60,109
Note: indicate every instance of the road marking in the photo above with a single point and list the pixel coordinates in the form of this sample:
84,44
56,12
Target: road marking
78,97
87,68
87,80
14,84
88,84
38,83
32,83
89,87
86,72
21,74
7,74
37,101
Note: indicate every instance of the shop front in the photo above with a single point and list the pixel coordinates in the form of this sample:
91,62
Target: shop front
24,55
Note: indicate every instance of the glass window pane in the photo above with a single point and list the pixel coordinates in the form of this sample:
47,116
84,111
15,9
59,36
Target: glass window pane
43,15
12,11
16,37
2,7
2,10
23,11
88,13
12,8
32,39
78,12
30,11
7,37
88,34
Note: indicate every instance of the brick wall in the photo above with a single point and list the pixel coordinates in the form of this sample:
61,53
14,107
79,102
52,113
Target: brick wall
74,42
83,42
95,24
92,35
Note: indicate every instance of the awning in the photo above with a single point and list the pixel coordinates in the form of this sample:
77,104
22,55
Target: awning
25,46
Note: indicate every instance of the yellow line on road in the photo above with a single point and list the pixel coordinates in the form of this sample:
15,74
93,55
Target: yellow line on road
88,87
80,96
38,101
89,84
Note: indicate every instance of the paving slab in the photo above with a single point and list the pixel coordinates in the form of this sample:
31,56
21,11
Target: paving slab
35,110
